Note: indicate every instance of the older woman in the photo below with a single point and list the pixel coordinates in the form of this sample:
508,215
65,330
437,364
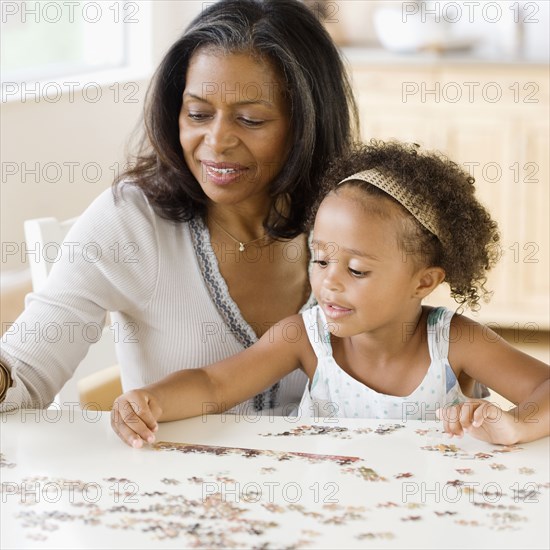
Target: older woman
243,115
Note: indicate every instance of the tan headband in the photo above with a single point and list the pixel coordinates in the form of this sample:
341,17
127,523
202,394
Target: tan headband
416,206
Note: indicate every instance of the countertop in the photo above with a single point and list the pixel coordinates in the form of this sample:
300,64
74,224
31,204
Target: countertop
375,56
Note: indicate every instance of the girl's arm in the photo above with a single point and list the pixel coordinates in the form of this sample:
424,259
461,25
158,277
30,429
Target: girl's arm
518,377
212,389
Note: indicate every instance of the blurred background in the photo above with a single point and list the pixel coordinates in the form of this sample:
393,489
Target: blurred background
468,78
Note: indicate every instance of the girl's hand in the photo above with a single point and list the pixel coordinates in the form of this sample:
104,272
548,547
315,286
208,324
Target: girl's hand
134,417
482,420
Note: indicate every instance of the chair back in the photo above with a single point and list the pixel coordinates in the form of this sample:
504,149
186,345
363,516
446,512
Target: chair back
44,233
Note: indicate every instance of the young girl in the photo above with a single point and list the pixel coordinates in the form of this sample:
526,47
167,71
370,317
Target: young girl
385,236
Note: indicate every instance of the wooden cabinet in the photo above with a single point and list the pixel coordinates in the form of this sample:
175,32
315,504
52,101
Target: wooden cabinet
494,120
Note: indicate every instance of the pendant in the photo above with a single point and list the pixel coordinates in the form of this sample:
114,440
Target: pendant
241,247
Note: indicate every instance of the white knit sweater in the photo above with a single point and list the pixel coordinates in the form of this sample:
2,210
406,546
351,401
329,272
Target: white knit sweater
160,281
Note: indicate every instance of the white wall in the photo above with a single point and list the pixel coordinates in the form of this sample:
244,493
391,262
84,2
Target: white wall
71,136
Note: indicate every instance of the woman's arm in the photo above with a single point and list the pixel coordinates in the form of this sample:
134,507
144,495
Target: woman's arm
46,343
212,389
518,377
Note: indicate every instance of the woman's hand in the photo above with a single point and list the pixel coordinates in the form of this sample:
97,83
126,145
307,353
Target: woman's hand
134,417
482,420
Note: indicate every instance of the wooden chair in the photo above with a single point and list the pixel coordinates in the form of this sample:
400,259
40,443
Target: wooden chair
96,381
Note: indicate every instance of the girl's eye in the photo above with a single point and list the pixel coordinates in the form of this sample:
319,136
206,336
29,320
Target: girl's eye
356,273
321,263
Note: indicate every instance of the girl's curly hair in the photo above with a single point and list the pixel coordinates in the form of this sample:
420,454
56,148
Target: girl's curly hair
469,244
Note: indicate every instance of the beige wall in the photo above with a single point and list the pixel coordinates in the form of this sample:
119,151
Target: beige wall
53,138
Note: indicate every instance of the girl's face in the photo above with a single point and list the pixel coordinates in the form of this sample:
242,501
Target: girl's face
361,278
234,126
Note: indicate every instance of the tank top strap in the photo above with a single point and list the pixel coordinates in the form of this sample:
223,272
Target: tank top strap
439,325
317,331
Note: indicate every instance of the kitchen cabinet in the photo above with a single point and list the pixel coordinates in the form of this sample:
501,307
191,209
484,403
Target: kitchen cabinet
493,119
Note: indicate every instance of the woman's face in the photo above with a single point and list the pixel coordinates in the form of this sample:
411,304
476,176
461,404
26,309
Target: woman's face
234,126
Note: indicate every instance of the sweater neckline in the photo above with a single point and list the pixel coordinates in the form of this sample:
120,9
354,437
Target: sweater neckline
217,286
224,303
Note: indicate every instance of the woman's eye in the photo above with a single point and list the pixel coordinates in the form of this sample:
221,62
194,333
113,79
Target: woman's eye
197,117
251,122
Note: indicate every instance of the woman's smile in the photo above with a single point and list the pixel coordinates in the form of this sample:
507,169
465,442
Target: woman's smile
223,173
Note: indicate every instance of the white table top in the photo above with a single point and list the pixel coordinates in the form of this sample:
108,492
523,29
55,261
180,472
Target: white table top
69,482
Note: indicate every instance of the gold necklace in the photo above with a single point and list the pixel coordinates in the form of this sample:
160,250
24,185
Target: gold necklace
241,244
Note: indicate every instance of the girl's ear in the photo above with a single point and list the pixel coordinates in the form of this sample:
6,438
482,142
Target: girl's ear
428,279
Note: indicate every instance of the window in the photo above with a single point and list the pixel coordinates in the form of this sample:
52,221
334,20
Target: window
64,38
